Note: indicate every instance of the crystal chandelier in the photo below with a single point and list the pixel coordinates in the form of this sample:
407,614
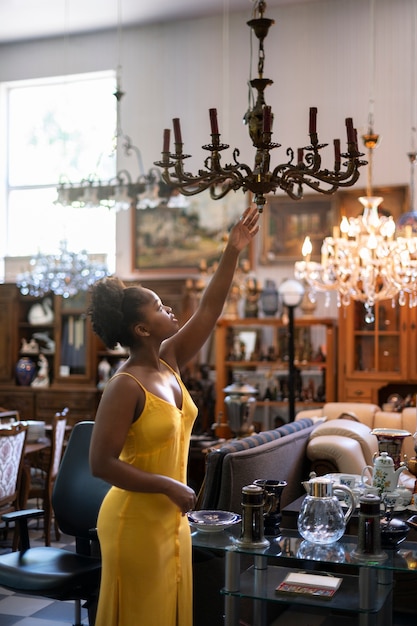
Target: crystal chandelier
303,168
365,259
122,191
64,274
147,190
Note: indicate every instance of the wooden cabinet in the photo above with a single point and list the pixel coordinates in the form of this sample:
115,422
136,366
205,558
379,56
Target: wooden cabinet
8,294
43,404
266,366
59,329
378,352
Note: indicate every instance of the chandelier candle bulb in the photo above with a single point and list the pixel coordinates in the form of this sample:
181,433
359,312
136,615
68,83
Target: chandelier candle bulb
336,143
313,120
167,134
307,249
267,119
350,130
213,122
177,130
344,228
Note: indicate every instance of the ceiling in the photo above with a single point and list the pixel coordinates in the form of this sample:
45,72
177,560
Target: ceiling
26,19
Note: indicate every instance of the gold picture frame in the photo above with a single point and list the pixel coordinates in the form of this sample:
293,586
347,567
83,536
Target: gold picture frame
395,201
286,222
174,240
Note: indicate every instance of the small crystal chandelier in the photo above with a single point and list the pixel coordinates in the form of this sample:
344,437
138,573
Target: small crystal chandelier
123,191
64,274
303,168
364,260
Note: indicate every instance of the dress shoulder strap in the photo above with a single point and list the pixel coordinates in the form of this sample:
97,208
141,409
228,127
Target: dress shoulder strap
171,369
130,376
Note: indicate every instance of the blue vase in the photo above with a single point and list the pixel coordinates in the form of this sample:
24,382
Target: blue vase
25,371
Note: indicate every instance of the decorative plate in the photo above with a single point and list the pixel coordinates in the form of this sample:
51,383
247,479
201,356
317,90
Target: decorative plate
212,521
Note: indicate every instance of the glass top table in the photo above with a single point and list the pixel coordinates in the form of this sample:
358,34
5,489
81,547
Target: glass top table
366,584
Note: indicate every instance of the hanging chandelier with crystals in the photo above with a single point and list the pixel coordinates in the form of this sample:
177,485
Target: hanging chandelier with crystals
365,259
368,259
148,190
304,166
64,274
123,191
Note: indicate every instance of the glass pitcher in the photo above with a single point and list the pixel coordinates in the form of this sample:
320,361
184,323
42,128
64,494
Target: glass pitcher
322,519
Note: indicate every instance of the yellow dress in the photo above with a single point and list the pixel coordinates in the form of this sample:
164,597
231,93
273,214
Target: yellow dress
145,541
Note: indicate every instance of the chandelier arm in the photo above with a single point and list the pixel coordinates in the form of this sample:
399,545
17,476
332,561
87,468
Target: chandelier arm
190,185
218,196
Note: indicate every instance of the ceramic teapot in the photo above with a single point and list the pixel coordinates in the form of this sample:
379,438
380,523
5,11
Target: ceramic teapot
384,475
322,519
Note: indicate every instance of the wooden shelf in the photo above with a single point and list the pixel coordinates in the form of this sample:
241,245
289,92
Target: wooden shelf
225,367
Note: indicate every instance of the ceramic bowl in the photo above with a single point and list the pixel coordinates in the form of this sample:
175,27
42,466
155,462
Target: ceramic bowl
212,521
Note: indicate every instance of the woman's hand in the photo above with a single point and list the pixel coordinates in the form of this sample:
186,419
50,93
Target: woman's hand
245,229
181,495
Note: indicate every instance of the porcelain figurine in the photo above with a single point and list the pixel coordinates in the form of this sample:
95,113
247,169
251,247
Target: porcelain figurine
29,347
42,377
47,345
41,313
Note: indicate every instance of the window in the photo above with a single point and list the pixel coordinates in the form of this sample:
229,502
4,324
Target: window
57,128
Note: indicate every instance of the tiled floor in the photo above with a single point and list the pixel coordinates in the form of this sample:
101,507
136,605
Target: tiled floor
18,610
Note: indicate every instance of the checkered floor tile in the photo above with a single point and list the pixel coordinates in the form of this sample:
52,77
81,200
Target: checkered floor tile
19,610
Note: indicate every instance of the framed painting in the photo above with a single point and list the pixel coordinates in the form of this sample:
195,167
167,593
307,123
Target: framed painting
177,238
286,222
395,201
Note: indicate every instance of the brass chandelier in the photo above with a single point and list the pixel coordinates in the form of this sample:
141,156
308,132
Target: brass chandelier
303,167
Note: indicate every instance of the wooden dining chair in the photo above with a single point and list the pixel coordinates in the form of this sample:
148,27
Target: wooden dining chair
12,444
6,416
44,470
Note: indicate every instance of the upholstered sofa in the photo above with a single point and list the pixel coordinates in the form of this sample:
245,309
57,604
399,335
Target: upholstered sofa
343,442
278,454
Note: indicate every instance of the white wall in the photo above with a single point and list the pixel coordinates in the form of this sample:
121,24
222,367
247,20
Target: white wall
317,54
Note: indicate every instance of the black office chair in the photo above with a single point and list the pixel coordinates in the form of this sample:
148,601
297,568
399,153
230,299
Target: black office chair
54,572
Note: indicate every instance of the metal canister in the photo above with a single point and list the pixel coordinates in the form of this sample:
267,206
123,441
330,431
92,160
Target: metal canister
252,534
369,530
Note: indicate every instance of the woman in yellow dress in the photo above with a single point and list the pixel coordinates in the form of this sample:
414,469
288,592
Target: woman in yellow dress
140,445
